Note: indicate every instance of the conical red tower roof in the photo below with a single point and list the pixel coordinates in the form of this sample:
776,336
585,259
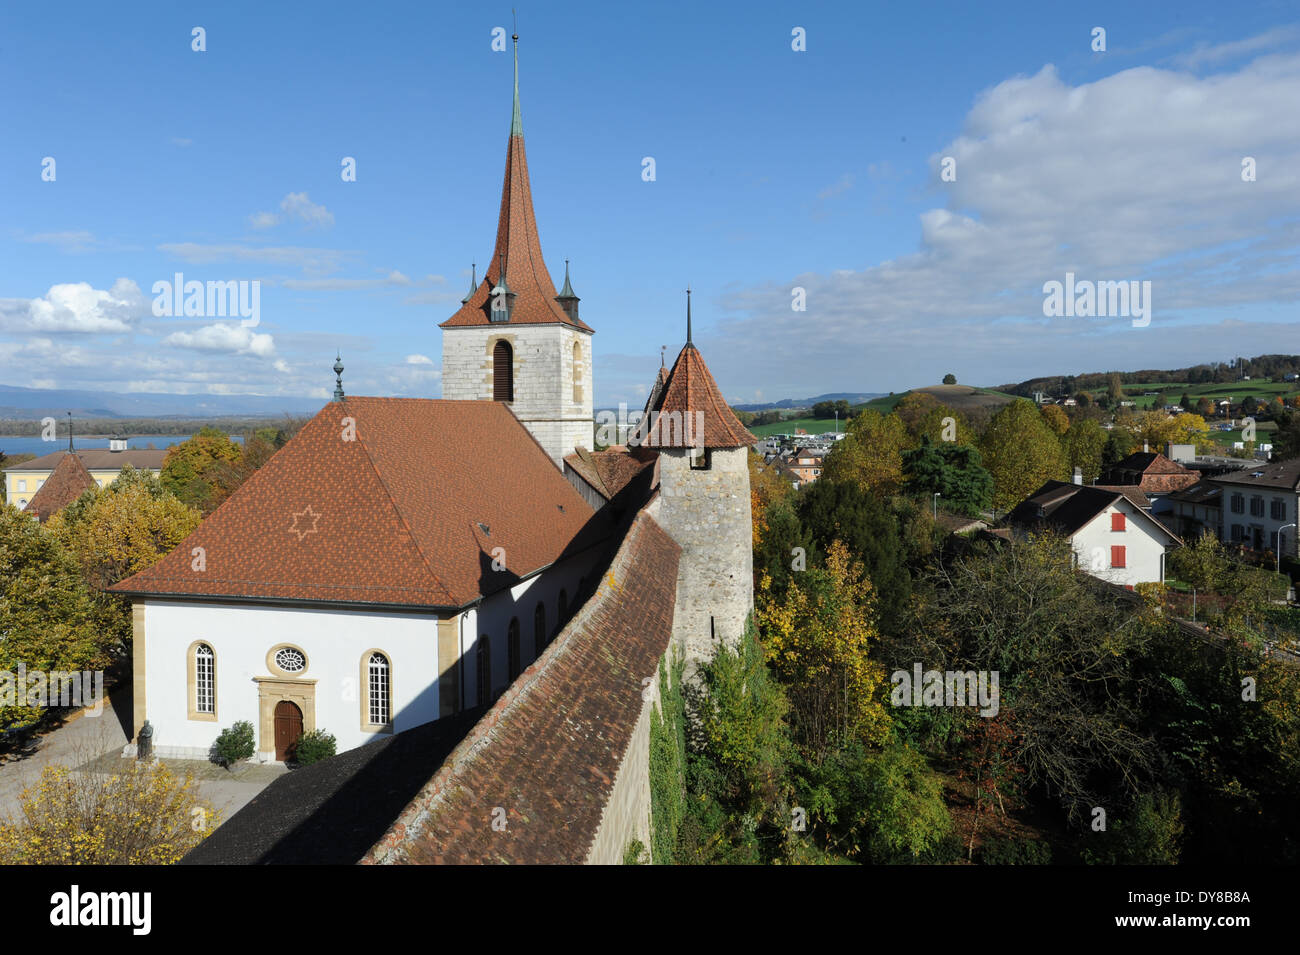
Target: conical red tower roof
519,246
690,394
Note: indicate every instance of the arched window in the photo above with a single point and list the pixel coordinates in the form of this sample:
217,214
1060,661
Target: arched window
205,679
539,630
379,690
512,648
483,670
564,609
503,371
577,372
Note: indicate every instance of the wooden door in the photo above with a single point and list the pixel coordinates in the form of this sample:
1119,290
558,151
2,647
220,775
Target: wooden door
288,729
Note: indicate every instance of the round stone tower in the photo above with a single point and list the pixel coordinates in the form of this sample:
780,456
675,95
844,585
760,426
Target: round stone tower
704,503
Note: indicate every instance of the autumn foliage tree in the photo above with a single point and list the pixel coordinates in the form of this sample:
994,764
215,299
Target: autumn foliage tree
871,455
141,815
1021,452
818,641
47,615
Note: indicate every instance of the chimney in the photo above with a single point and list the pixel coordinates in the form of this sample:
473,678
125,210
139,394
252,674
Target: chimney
1078,476
1145,449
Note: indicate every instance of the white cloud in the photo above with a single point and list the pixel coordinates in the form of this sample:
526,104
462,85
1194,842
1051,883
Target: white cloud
295,206
77,307
281,366
81,241
393,278
419,360
1136,176
223,337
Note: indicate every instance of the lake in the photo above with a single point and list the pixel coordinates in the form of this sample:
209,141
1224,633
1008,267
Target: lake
32,443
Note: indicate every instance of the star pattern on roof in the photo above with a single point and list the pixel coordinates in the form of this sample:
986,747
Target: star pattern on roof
303,530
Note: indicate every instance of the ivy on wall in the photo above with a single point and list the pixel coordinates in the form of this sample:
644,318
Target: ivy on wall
667,762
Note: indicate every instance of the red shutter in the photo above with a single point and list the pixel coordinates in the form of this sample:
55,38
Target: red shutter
1117,556
1117,521
503,384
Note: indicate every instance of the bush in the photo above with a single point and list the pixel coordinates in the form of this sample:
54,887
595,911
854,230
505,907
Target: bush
1015,852
142,815
313,747
233,744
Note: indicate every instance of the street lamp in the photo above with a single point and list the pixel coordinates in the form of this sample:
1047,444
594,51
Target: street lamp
1279,545
937,495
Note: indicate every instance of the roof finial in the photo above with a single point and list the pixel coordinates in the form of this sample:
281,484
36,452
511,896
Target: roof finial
662,350
473,282
338,373
516,123
688,314
69,432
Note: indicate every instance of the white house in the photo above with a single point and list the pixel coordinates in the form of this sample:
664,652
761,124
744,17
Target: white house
1112,538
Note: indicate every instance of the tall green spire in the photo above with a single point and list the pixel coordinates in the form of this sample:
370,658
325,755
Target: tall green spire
516,123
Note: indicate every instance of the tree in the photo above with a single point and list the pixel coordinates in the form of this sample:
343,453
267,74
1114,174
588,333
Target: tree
1286,439
1202,564
818,641
1156,429
124,528
1119,445
737,764
141,815
1082,399
1084,444
845,512
198,471
1056,418
871,454
47,616
1021,452
1205,407
1115,387
1065,653
955,472
950,379
823,409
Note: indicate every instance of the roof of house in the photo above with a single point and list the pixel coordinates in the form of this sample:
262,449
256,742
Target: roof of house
549,750
1149,462
608,471
1133,492
1068,507
399,515
690,399
98,459
1203,492
520,247
68,482
1276,474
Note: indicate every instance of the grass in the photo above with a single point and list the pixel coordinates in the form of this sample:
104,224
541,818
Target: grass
811,425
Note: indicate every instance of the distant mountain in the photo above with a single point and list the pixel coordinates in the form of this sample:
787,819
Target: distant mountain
18,402
852,397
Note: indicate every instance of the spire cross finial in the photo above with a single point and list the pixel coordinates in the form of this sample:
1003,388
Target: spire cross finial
338,375
516,122
69,432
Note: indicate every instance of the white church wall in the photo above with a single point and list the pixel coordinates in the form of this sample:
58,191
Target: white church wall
334,641
241,637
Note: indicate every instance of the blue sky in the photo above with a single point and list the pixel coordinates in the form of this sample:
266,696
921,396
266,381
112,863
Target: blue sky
774,169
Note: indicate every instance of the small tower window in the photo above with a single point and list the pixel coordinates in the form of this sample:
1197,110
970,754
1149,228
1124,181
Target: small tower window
483,670
701,459
503,371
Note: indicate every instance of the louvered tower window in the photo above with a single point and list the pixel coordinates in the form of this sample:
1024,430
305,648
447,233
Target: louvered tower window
503,372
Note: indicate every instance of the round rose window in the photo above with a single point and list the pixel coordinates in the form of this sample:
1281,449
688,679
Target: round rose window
290,660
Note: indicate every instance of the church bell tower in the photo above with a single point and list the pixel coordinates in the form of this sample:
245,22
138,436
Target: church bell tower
514,339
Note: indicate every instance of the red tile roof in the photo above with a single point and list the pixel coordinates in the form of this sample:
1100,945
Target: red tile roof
690,393
526,273
68,482
392,517
607,471
549,750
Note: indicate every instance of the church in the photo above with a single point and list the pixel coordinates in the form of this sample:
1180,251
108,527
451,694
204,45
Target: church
500,614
